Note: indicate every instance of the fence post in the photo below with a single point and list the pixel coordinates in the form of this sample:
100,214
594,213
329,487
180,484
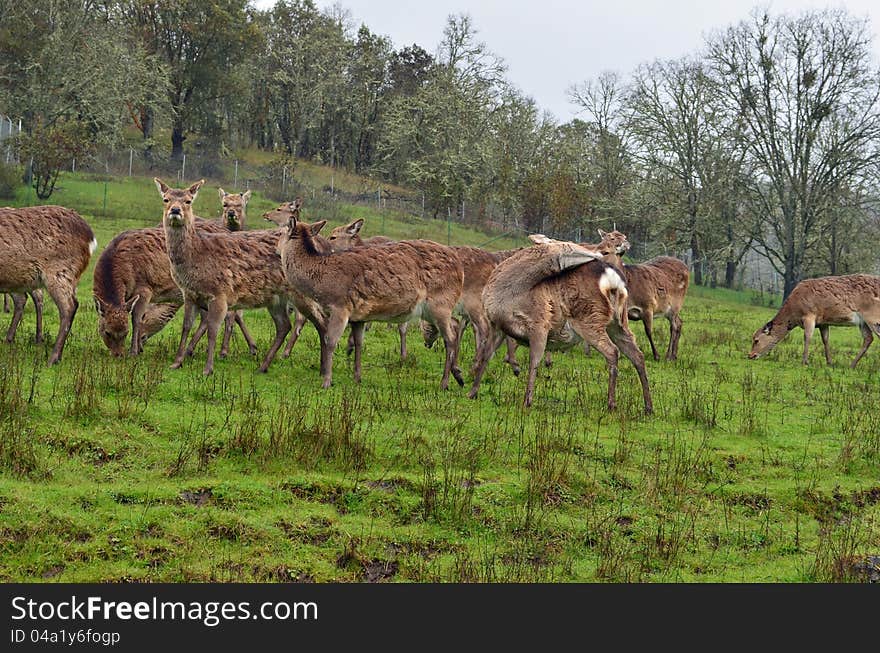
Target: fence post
448,225
73,166
130,159
105,199
183,168
235,179
331,184
283,179
423,205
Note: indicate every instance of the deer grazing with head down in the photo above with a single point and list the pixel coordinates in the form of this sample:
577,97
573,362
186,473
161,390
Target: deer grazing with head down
555,295
655,286
392,283
45,247
849,300
218,272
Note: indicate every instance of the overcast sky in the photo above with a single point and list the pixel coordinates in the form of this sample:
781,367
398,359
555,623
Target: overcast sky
550,44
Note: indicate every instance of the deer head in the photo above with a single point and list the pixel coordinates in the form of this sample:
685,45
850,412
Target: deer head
113,323
346,237
233,210
178,202
284,212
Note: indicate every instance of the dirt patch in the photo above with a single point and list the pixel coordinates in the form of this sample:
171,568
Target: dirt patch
375,571
198,496
51,572
390,485
838,505
867,570
756,502
315,531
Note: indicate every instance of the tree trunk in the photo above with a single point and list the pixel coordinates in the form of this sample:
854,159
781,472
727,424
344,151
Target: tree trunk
729,274
147,122
698,260
177,138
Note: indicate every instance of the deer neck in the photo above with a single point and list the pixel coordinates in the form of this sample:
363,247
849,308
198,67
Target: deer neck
179,242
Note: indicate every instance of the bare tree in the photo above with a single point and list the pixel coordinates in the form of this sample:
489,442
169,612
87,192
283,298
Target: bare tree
806,95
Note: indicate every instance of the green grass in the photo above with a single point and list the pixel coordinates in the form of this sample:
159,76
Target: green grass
121,469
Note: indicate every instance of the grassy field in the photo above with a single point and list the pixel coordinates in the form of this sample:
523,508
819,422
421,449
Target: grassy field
125,470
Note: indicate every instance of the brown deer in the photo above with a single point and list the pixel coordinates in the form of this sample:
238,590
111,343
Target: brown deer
132,283
655,286
393,283
46,247
849,300
218,272
18,303
555,295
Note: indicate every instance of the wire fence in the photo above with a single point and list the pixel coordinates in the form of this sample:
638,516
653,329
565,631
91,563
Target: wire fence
280,179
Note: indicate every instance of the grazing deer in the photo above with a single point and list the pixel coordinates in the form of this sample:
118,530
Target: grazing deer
46,247
849,300
132,282
555,295
393,283
218,272
655,286
18,303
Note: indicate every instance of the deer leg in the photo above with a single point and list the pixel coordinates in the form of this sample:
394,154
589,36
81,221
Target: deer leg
548,361
37,296
494,341
510,359
189,316
281,317
298,325
402,329
349,346
239,320
586,348
674,335
137,321
448,327
648,322
333,329
823,331
64,296
5,302
228,326
217,311
203,328
537,346
18,302
357,333
626,343
867,339
809,326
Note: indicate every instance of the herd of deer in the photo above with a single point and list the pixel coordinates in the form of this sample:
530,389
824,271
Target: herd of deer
552,295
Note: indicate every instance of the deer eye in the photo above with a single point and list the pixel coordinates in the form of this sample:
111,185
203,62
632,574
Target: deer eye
166,200
188,202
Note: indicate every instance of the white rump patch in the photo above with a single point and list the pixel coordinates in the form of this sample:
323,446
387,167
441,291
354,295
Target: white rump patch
93,246
611,280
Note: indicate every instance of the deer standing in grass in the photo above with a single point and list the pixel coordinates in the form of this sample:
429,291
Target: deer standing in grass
849,300
655,286
218,272
45,247
555,295
393,283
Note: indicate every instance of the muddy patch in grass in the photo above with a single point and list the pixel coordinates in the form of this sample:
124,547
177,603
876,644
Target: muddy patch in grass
198,496
376,571
836,506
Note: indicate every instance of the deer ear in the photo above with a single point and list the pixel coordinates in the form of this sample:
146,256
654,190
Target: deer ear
194,189
316,227
130,304
354,228
602,234
297,204
246,196
222,193
161,185
291,226
99,305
